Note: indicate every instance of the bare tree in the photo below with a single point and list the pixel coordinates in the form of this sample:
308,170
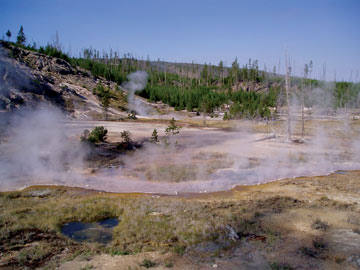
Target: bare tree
287,88
306,72
310,86
323,76
56,41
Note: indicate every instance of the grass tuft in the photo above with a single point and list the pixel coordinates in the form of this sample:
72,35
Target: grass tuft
280,266
318,224
147,263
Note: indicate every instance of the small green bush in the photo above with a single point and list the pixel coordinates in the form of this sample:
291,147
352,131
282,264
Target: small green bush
98,134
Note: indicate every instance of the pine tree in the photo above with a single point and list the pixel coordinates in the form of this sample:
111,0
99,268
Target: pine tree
105,102
21,39
172,129
205,73
8,34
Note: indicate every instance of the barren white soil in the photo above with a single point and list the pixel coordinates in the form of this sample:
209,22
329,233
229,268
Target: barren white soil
206,159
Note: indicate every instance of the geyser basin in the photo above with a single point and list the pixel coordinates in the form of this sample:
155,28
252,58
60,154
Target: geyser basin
99,232
197,159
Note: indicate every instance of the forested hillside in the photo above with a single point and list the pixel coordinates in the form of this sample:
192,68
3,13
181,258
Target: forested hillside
240,91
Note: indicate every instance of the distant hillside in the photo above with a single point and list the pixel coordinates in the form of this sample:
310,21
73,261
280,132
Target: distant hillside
90,86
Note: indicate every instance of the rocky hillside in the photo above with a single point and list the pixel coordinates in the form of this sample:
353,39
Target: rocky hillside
28,78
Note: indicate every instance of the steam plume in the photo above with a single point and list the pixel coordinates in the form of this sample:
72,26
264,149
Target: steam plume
137,82
39,148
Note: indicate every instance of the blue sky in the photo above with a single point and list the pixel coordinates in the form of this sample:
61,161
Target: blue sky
324,31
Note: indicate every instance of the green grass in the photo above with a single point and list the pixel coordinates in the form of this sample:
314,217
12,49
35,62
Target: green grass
169,265
30,223
48,214
33,254
280,266
147,263
87,267
145,223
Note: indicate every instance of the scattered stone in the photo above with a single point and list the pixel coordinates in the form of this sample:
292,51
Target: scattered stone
38,193
215,266
156,214
232,235
354,259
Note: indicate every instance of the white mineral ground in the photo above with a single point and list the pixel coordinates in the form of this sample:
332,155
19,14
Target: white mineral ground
241,157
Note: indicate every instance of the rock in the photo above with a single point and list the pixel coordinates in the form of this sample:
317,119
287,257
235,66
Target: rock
28,78
156,214
39,193
232,235
59,66
215,266
355,259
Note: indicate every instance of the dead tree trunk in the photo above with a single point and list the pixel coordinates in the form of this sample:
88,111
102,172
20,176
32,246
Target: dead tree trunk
287,88
302,110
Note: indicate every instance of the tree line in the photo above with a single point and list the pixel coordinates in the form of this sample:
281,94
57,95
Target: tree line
205,99
198,87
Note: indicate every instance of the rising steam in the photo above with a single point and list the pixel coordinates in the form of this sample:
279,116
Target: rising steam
137,82
38,148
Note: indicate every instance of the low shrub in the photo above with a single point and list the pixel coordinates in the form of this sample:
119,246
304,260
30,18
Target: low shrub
98,134
319,225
